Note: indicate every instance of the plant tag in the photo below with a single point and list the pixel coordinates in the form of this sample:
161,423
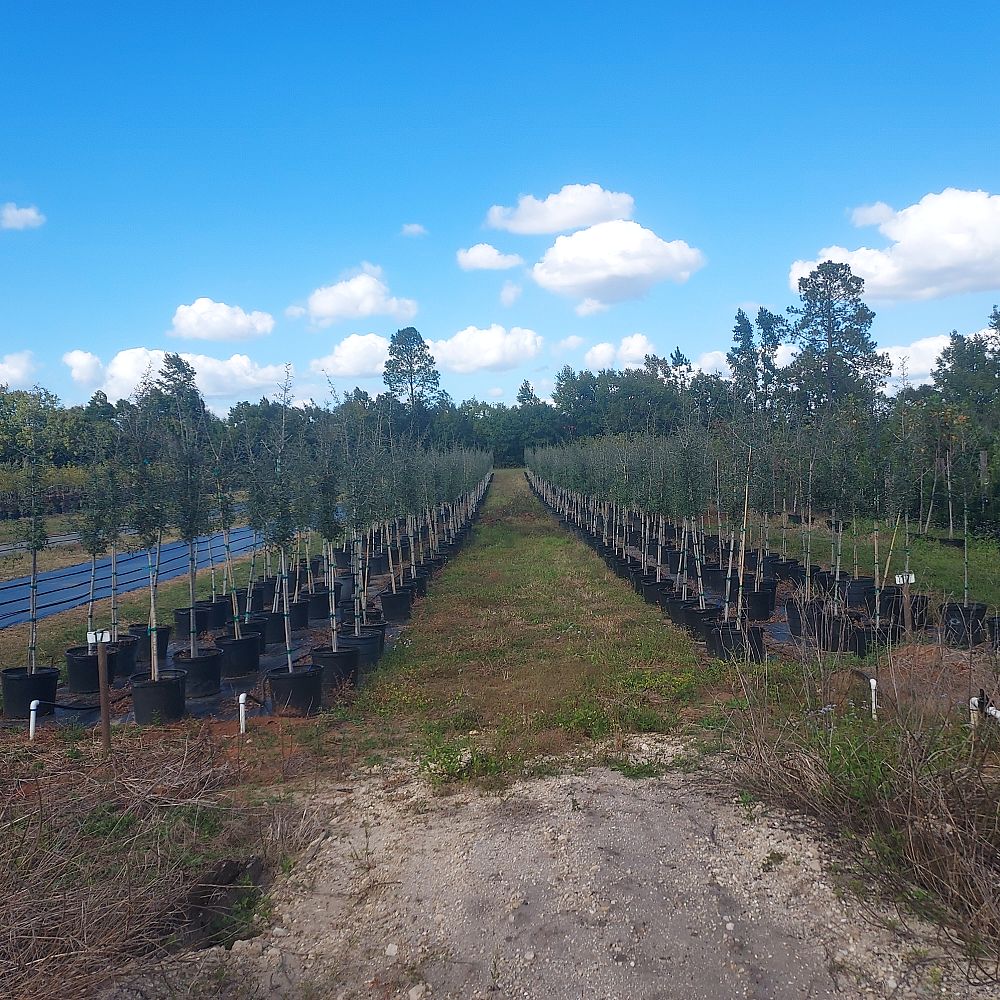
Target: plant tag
95,637
902,578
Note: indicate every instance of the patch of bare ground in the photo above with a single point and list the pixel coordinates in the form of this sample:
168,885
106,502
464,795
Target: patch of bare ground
584,884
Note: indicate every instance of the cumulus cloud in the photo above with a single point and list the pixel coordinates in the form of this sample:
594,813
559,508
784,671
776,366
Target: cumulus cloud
206,319
413,229
572,207
630,352
216,377
495,393
600,356
918,358
486,257
633,350
612,262
84,368
361,355
357,296
13,217
570,343
945,244
492,349
713,363
510,293
872,215
16,369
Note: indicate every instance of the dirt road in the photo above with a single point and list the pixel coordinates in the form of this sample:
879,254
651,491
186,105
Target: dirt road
583,886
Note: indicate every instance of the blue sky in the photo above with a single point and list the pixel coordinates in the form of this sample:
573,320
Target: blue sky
182,177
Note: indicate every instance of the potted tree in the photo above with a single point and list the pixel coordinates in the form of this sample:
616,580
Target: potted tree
23,685
158,695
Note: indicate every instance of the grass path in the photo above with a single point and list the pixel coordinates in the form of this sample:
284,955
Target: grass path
528,646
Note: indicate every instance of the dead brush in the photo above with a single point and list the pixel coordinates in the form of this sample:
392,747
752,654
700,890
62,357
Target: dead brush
103,863
915,791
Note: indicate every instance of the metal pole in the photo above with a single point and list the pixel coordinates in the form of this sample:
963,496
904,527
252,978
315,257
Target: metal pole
102,681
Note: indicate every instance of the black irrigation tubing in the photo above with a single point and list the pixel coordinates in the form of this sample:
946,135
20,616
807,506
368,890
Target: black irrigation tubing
78,593
83,708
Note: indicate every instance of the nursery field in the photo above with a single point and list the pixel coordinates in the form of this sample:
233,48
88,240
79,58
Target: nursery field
539,765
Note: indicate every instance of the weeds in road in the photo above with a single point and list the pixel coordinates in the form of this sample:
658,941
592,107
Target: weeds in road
529,647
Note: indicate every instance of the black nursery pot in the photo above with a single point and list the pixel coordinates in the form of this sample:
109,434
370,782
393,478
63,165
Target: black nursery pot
141,632
963,623
396,607
367,644
182,621
736,644
299,691
81,669
274,629
651,590
20,689
319,604
298,614
125,650
160,701
240,656
758,604
340,665
204,671
793,613
222,611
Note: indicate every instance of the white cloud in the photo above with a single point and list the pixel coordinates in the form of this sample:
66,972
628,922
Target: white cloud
945,244
633,350
295,312
713,363
600,356
590,307
493,348
485,257
785,354
611,262
361,355
872,215
84,368
630,352
570,343
918,358
16,369
572,207
206,319
13,217
510,293
413,229
495,393
218,378
357,296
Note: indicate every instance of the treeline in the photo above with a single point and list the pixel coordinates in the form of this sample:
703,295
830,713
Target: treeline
827,410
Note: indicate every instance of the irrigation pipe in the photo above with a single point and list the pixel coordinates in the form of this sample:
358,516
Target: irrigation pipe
980,707
873,684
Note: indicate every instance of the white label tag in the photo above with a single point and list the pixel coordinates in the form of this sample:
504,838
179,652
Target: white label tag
95,637
902,578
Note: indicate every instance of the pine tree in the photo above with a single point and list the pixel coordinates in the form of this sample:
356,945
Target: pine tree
410,371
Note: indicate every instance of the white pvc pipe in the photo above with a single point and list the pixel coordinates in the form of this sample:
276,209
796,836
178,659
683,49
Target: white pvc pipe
872,682
243,714
33,718
975,712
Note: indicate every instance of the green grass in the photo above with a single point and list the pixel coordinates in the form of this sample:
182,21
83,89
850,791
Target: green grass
528,646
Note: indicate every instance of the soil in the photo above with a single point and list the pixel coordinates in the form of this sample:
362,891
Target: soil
588,884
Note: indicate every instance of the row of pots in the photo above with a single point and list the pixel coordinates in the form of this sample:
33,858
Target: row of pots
726,639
